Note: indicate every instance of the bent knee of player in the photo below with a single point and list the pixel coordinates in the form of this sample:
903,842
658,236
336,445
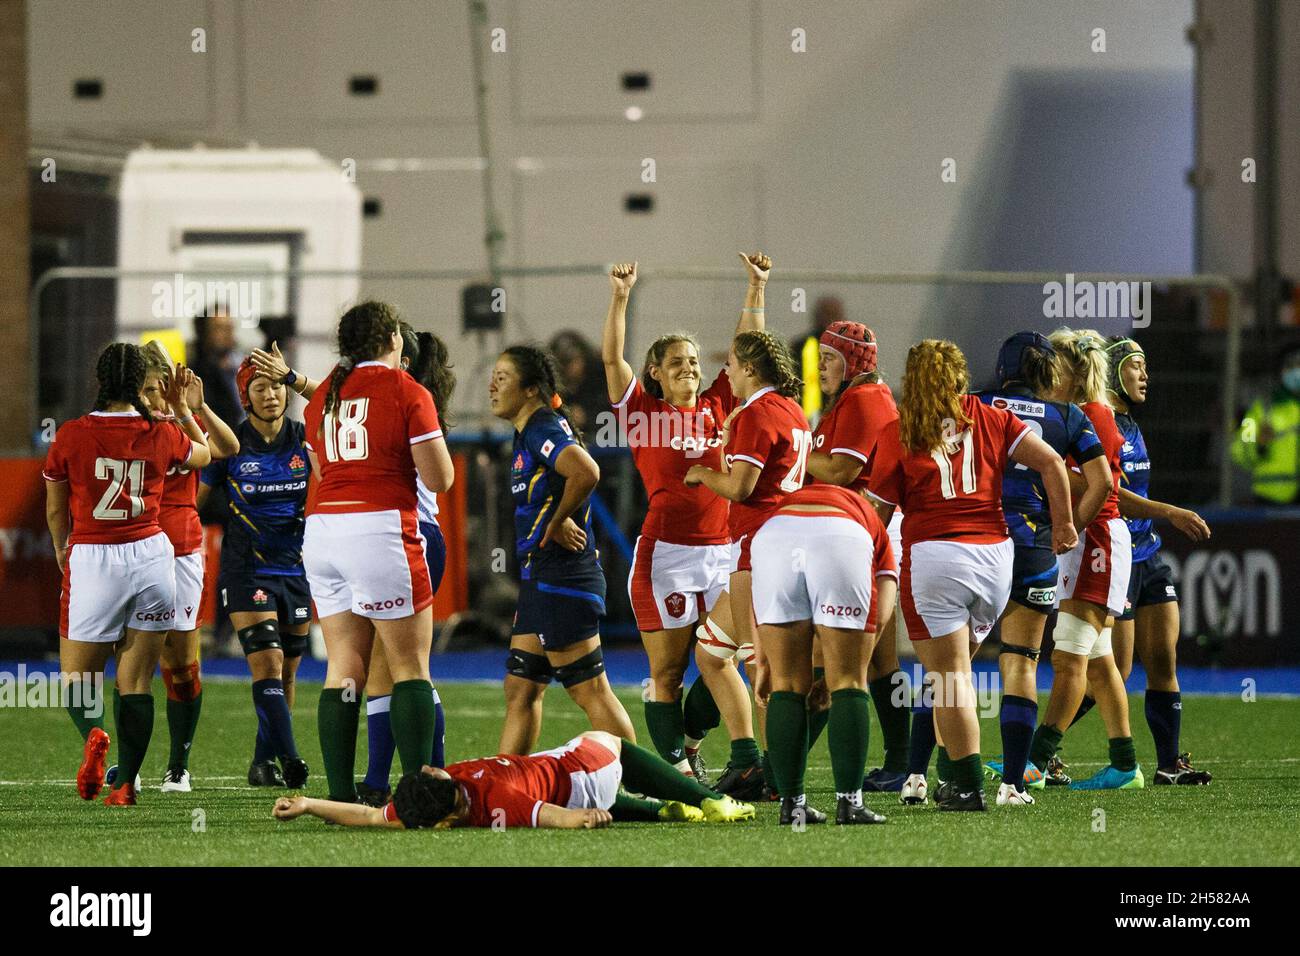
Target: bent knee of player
521,692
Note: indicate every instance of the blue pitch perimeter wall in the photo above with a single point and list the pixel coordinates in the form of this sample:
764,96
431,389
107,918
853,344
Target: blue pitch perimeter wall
628,667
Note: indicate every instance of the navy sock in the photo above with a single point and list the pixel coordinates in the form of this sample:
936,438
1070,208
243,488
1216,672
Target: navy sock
273,713
379,741
262,751
1165,717
922,743
439,758
1019,714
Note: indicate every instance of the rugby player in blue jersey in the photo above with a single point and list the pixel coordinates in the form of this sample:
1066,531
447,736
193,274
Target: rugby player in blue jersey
1150,622
562,586
262,583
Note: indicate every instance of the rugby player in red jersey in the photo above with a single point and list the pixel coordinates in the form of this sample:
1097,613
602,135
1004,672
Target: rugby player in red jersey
859,406
942,463
683,553
370,428
179,518
574,787
823,566
104,479
765,458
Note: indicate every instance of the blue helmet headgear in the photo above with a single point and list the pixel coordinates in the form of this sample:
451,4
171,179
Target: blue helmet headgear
1009,356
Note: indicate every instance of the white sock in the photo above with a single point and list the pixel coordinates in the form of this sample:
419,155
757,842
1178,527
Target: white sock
693,745
682,766
854,798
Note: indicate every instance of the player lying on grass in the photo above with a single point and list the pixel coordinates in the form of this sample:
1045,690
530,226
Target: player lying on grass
574,787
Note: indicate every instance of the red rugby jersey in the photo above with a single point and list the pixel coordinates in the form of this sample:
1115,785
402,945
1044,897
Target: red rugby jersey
666,441
115,465
179,512
365,452
1112,442
515,784
772,434
853,425
953,496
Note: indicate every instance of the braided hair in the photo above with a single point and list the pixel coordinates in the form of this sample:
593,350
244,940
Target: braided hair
363,335
121,371
423,800
537,369
770,359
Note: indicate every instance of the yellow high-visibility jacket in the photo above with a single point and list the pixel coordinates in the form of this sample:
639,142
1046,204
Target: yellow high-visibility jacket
1274,467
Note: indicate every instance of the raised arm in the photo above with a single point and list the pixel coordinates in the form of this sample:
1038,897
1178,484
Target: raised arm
222,442
618,373
1033,452
177,388
753,317
273,366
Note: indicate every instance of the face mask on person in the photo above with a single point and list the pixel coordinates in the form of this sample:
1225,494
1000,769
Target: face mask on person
1291,379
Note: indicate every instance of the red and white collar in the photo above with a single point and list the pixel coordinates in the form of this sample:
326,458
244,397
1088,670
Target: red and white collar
762,391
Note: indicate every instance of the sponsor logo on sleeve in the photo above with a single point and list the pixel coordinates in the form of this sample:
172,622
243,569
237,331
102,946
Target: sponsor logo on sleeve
1020,406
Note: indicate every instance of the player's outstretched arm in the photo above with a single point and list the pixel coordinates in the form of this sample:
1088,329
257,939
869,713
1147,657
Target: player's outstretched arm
555,817
1188,522
618,372
346,814
753,316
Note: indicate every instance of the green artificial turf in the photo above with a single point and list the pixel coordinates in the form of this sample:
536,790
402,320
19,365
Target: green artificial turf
1247,816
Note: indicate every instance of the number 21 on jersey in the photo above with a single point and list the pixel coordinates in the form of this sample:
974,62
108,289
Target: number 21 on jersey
801,440
345,431
942,457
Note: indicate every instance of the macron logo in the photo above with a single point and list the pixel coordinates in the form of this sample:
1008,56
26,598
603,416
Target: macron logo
74,909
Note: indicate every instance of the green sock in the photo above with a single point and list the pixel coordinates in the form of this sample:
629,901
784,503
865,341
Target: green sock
817,718
744,753
645,773
787,740
700,712
769,776
134,721
664,721
337,719
943,765
412,714
1047,740
1122,754
894,715
850,722
182,721
81,703
967,773
628,807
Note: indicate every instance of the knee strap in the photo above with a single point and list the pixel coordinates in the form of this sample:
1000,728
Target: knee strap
529,666
715,640
262,636
585,668
1103,645
182,683
1029,652
1074,635
295,645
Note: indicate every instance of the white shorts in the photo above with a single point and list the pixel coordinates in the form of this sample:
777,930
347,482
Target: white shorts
672,585
946,585
813,568
370,563
594,772
895,531
1098,568
108,587
189,590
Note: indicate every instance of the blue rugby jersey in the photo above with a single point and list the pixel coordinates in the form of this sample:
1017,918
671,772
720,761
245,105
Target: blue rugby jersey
1135,465
266,486
1063,426
537,489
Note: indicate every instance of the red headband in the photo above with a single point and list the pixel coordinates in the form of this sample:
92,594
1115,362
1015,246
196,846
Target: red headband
855,343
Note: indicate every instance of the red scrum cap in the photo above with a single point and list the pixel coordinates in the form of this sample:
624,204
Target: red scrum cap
243,378
856,344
